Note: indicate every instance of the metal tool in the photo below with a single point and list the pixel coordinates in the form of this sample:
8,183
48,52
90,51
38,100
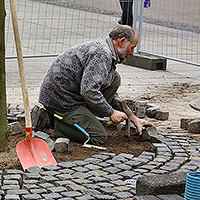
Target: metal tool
85,143
31,151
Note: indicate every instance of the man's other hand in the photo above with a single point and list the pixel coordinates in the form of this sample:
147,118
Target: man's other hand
118,116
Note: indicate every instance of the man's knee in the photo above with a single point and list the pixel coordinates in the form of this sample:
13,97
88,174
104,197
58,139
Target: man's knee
99,139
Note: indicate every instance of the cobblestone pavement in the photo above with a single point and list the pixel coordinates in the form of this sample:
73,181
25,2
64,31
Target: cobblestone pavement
105,175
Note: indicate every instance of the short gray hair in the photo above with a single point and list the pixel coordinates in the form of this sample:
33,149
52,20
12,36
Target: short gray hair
122,31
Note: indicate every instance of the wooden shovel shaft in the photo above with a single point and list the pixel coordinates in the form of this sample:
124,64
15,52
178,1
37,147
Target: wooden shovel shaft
21,64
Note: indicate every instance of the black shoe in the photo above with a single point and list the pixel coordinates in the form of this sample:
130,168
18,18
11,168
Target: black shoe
119,21
40,118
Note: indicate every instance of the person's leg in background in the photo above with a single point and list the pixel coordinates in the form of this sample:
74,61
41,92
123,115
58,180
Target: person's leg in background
127,12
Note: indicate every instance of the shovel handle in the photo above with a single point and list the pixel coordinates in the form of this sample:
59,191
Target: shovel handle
20,64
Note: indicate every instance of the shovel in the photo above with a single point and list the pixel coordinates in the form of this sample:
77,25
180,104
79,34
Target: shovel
31,151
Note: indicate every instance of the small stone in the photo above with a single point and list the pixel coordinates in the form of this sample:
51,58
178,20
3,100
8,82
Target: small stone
41,135
151,112
194,126
62,145
184,122
15,128
140,109
161,115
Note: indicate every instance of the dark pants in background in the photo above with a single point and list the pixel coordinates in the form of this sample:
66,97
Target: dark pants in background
127,13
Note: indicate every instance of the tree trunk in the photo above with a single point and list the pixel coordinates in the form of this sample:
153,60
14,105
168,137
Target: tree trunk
3,109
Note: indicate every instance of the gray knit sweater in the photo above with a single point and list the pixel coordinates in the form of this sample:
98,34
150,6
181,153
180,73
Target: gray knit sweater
77,76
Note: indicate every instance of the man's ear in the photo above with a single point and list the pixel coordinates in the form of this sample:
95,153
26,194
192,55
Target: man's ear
121,42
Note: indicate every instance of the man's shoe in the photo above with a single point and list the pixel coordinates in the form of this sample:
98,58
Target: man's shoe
40,118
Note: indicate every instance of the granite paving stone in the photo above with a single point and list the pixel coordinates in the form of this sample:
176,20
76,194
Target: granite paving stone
30,186
38,191
104,175
71,194
51,196
12,197
10,187
85,197
31,197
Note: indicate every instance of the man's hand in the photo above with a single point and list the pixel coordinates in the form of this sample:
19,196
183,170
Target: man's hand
118,116
139,123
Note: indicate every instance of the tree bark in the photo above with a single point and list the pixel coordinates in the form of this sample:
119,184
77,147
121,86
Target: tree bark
3,109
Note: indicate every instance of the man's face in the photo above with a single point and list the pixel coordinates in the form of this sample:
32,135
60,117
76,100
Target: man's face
127,49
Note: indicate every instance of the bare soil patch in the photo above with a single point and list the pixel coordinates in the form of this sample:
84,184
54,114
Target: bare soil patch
174,98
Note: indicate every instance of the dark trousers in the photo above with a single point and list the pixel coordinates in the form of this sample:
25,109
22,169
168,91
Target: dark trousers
127,13
84,117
